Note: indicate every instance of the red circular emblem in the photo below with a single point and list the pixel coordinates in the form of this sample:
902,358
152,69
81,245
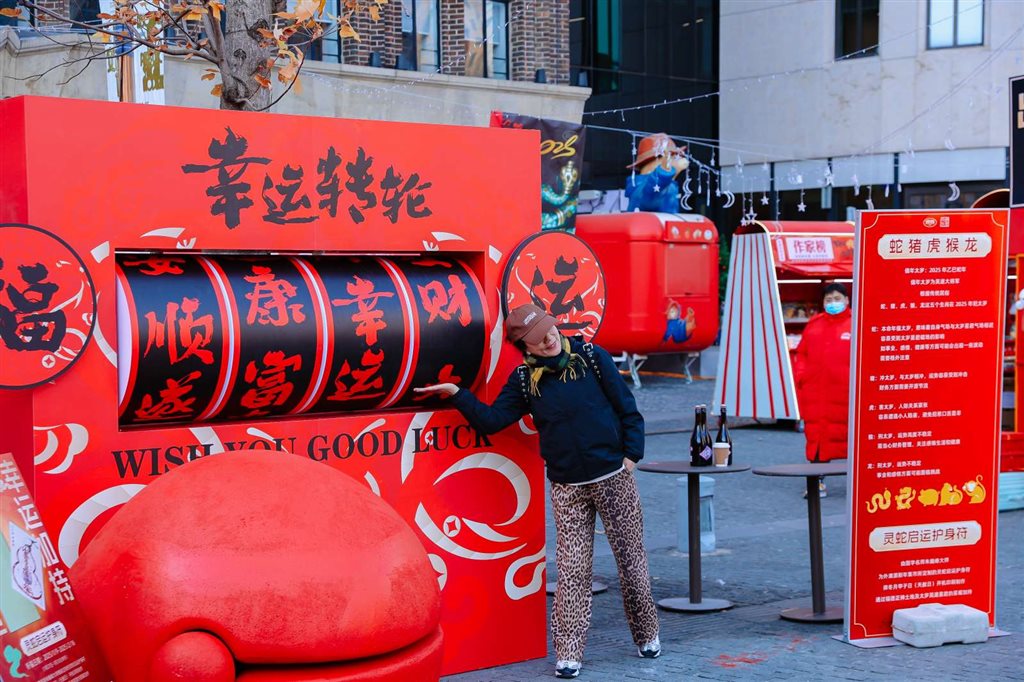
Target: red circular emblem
560,273
47,306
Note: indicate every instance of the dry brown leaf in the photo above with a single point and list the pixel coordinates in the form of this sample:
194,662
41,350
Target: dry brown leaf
217,89
346,31
13,12
208,76
262,80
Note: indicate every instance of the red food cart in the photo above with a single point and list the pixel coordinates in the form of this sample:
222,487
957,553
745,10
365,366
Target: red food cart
662,274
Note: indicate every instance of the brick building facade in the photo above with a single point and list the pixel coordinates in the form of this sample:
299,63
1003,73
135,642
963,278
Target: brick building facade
537,35
533,37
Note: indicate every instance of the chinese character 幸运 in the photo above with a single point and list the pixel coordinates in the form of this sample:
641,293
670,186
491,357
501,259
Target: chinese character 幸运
229,192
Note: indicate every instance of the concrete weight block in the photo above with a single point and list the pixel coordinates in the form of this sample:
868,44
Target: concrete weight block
930,625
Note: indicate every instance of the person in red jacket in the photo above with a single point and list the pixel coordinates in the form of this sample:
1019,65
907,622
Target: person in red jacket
822,373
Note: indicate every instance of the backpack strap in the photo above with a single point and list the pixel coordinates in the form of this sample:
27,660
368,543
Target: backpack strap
588,353
524,382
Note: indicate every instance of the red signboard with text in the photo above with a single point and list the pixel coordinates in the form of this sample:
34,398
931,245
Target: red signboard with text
925,410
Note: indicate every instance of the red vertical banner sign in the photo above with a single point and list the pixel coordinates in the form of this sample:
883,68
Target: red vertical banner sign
925,409
42,633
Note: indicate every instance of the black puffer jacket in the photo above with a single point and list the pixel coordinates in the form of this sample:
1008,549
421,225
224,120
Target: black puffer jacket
586,425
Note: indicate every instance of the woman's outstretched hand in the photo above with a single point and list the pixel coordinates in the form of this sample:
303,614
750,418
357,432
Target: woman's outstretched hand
444,389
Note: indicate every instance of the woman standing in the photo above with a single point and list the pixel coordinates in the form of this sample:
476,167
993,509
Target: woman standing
591,437
822,373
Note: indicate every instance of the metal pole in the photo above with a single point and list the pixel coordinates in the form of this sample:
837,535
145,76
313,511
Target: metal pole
693,518
814,533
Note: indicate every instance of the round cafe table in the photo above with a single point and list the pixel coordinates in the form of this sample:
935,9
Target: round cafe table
695,603
812,471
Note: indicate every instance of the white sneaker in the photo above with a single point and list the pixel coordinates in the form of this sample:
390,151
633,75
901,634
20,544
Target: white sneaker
650,650
567,670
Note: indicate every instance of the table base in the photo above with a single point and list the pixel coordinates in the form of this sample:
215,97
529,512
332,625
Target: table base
832,614
684,605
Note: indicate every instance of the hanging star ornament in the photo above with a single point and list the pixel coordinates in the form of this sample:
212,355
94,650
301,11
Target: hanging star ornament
801,206
764,199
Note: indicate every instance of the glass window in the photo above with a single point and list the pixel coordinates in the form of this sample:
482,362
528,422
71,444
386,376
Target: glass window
421,37
856,28
84,10
324,48
486,38
607,45
497,55
5,20
955,23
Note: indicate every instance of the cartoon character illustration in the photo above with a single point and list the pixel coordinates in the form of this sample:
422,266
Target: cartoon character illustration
975,490
905,497
678,330
653,186
929,497
25,572
564,200
879,501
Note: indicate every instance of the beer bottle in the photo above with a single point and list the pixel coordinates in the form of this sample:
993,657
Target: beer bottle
696,442
723,433
700,441
707,453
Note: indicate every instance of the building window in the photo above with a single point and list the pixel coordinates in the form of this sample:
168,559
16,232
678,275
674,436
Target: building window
955,23
86,11
421,36
486,35
856,28
25,19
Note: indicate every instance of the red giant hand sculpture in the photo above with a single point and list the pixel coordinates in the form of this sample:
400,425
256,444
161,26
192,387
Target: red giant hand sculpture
260,567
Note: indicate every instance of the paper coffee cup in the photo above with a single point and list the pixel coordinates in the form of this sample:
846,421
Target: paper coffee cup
721,454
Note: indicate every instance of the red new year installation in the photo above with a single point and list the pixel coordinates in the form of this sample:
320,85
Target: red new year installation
372,575
276,283
924,443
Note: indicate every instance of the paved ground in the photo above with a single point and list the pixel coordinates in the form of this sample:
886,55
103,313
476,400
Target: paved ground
761,564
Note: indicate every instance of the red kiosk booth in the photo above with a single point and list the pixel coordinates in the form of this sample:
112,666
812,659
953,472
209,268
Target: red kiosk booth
662,270
1012,457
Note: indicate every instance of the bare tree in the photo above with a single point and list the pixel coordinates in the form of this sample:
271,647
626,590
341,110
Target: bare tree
246,41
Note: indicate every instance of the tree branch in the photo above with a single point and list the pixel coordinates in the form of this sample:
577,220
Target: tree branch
123,35
297,72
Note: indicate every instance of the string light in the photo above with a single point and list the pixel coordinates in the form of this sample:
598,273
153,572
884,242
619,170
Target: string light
740,148
799,72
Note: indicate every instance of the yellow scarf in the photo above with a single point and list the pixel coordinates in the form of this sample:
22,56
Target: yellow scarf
569,364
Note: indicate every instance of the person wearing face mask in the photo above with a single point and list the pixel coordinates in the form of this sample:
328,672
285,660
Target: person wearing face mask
591,437
821,370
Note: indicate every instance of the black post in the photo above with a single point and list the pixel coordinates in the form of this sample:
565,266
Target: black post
814,533
693,518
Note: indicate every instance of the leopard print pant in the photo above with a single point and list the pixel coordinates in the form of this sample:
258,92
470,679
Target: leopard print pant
617,501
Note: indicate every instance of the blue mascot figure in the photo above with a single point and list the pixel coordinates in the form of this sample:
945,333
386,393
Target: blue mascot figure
653,186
